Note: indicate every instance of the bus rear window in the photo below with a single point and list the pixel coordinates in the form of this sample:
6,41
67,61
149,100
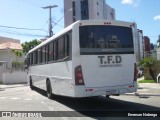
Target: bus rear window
100,39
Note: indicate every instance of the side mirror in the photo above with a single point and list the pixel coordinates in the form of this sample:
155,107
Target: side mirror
26,63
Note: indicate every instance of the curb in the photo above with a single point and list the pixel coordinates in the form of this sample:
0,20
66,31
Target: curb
142,95
2,87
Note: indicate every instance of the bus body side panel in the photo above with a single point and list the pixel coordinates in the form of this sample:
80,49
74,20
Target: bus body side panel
60,75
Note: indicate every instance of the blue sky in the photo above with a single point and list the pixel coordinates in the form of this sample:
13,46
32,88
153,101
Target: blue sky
29,14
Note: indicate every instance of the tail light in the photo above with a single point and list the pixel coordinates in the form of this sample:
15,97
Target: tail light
135,72
79,76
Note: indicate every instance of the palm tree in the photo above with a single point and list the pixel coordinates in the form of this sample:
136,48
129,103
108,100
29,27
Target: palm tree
148,62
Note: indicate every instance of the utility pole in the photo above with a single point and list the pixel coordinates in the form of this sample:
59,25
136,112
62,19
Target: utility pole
50,18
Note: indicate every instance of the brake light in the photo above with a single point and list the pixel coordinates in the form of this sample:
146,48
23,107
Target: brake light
135,72
79,76
107,23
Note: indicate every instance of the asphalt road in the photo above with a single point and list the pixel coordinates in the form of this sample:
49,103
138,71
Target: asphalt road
21,98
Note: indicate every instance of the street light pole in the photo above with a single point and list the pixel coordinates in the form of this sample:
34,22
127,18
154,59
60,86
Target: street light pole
50,18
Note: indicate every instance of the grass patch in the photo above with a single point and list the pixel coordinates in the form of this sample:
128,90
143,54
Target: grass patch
146,81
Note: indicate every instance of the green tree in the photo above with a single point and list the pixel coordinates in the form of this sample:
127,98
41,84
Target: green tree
18,53
29,45
17,63
148,62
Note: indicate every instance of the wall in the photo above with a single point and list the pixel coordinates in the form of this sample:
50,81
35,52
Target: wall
68,17
2,69
8,56
14,77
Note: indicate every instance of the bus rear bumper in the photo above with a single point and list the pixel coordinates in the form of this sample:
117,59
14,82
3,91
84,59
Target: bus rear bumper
118,90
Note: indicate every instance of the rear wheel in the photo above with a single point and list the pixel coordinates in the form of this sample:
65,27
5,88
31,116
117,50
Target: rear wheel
107,96
49,89
31,83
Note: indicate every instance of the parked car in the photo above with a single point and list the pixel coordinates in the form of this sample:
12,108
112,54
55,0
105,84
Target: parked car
140,72
158,78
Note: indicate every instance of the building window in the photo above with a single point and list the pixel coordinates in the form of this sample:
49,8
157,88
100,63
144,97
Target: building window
84,10
74,19
73,8
98,13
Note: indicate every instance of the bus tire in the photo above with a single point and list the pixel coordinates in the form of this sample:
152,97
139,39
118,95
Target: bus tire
31,84
49,89
107,96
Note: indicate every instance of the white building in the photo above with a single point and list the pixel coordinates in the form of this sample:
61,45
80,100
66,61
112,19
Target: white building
140,44
6,47
86,9
6,54
158,49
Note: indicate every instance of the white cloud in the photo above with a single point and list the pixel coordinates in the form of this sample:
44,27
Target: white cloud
157,17
134,3
130,2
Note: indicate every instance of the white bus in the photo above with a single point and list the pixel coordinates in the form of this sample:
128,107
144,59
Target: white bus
88,58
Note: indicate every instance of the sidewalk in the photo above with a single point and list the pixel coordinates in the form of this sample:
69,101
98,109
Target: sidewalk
148,89
3,87
145,90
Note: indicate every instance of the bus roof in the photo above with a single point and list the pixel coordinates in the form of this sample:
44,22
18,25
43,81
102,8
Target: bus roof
83,22
53,37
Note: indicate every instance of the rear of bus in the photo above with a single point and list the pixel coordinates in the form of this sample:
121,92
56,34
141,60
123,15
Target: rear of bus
105,61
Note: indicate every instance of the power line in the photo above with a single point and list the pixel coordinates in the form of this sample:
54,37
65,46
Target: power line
20,28
22,34
58,24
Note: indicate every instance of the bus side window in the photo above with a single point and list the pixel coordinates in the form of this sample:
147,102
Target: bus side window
61,48
70,45
30,58
43,54
51,48
46,53
55,50
66,46
34,57
39,56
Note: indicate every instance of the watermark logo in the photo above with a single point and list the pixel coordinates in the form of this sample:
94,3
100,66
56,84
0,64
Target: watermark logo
6,114
21,114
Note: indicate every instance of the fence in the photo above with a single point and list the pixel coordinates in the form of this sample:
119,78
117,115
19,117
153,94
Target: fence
18,66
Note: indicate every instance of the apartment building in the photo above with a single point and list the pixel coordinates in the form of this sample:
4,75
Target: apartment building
75,10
